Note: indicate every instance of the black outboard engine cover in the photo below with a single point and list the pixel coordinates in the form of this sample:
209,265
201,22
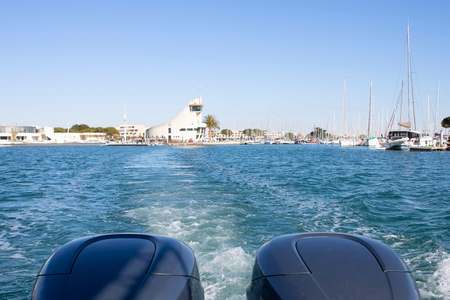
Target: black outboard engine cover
120,266
316,266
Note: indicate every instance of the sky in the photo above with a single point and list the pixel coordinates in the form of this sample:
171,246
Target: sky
277,65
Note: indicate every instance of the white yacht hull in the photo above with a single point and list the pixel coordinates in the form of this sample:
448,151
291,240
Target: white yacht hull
374,143
347,142
399,144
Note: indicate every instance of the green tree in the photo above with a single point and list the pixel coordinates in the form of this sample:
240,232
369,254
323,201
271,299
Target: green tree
79,128
290,136
211,123
226,132
247,132
446,122
253,132
258,132
59,129
111,132
319,133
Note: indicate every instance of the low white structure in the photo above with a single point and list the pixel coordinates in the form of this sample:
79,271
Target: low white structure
34,134
186,127
132,132
75,138
21,134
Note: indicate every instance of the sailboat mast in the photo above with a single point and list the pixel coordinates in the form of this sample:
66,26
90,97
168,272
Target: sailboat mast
411,100
436,109
400,116
370,109
428,115
408,73
344,116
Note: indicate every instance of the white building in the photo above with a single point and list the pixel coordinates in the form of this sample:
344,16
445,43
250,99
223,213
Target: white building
133,132
186,127
25,134
75,138
34,134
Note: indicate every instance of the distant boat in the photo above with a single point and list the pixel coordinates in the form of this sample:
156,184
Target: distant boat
374,143
287,142
335,142
401,139
348,142
427,143
129,144
406,135
371,141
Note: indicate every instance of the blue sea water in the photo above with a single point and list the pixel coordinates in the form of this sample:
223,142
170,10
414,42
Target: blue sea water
225,202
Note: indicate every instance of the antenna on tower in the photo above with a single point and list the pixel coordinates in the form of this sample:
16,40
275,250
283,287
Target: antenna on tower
125,117
370,110
436,108
344,116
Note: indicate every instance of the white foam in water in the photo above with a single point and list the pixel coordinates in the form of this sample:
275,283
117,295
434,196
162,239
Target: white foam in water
226,269
18,256
224,266
442,277
433,284
4,244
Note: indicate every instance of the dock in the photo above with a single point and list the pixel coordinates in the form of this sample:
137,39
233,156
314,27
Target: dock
427,149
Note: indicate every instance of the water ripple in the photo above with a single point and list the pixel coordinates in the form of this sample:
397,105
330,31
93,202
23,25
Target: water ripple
224,202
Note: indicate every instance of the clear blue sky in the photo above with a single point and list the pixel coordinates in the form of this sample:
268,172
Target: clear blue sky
276,64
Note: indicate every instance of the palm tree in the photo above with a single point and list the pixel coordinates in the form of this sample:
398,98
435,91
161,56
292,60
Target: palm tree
13,134
211,123
446,122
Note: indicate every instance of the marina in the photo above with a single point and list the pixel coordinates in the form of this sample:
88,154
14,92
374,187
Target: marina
225,150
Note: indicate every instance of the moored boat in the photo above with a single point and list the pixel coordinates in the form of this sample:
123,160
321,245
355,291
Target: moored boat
401,139
406,135
374,143
348,142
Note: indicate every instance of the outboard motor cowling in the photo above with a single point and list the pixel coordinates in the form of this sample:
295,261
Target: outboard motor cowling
316,266
120,266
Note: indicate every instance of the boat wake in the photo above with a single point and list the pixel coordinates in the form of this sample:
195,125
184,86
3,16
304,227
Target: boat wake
224,266
441,277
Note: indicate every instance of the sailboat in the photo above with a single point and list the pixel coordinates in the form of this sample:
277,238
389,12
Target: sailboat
345,141
372,141
406,135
